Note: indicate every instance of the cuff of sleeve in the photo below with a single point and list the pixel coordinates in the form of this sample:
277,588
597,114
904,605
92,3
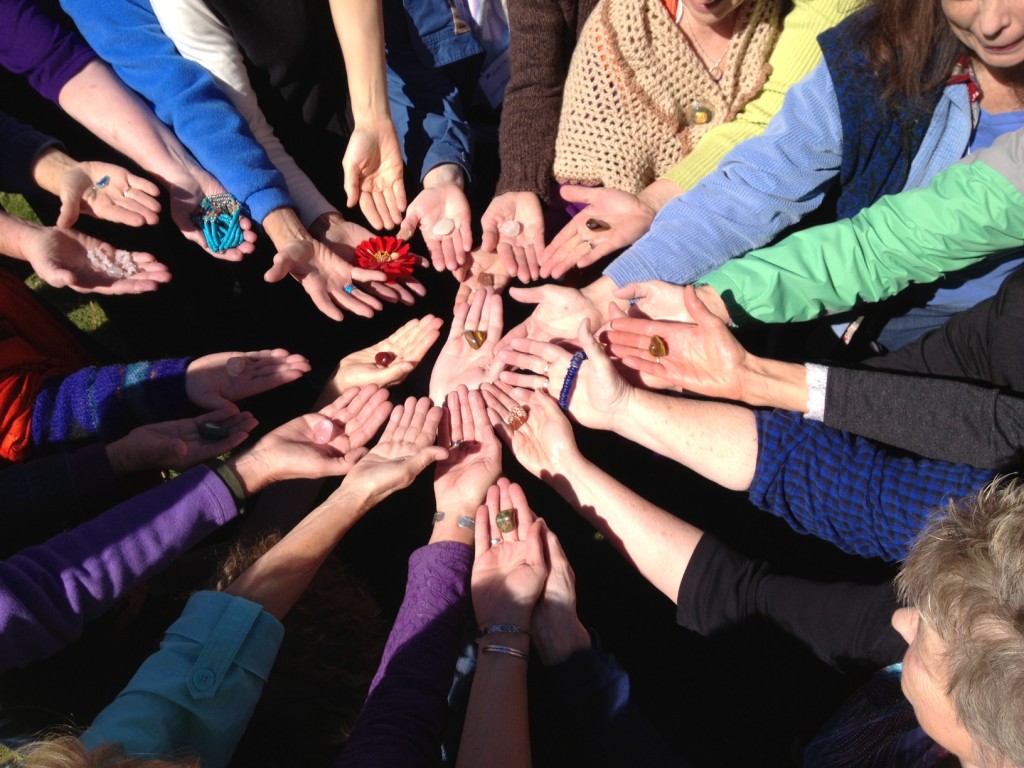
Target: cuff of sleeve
24,146
728,292
264,201
817,381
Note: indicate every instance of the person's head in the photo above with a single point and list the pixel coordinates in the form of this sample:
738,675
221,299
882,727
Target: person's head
993,30
711,13
963,583
66,751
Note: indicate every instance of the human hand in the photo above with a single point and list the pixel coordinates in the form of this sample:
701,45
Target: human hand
330,281
374,173
178,444
655,299
474,454
481,270
187,190
408,345
509,570
461,363
626,216
702,356
441,199
556,629
327,443
342,237
404,450
558,313
61,258
599,391
124,198
519,253
544,442
224,378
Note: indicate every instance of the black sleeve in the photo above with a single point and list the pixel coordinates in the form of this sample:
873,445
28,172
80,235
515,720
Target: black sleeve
846,625
938,418
22,145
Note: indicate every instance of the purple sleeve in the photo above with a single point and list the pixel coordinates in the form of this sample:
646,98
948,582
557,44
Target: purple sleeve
35,45
49,592
402,721
109,401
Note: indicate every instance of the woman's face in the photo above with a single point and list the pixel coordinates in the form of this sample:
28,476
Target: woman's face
713,12
993,29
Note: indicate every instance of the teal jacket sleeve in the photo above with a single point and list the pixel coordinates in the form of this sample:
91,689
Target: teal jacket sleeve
195,695
970,210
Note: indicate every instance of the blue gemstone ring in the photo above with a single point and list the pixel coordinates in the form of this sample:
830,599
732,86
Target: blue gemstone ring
101,183
349,288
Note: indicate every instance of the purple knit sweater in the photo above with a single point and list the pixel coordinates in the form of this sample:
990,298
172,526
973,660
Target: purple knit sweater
49,592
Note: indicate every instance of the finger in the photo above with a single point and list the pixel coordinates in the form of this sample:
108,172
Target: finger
481,426
369,209
482,531
526,516
147,186
451,260
451,427
477,303
489,235
428,431
409,225
495,318
532,263
587,342
352,182
70,206
317,291
507,259
577,193
394,424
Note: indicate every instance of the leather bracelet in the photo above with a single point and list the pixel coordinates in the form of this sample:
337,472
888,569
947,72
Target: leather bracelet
506,651
230,479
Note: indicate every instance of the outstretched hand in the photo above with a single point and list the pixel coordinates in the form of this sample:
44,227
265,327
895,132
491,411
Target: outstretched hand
461,362
178,444
702,356
407,345
482,270
474,453
519,253
442,198
61,258
107,191
557,315
374,173
216,380
508,575
404,450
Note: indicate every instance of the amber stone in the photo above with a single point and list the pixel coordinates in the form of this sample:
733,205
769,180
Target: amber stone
657,347
212,431
475,339
384,359
485,280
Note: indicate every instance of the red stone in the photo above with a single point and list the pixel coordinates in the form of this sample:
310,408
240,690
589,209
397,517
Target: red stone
384,359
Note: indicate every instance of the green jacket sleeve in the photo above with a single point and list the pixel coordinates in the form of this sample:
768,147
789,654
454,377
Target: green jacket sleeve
969,211
795,54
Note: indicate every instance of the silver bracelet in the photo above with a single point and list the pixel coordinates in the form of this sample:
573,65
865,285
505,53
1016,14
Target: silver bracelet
465,521
506,650
817,380
495,629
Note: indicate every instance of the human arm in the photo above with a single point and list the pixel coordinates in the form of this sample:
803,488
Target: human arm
763,186
970,210
373,159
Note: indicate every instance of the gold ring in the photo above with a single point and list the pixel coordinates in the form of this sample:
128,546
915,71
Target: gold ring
506,520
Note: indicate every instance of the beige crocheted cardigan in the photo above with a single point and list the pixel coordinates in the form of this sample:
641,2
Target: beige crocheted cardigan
633,82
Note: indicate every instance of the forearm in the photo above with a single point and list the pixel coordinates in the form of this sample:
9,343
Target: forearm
657,543
124,122
717,440
774,384
13,234
360,29
278,579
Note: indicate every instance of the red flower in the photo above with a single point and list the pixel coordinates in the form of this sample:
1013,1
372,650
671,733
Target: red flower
387,254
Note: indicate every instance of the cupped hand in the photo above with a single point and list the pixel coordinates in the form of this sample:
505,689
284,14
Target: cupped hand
324,276
461,363
617,219
519,253
223,378
557,315
323,444
508,576
374,173
178,444
187,191
342,237
482,270
433,204
60,258
408,345
702,356
474,452
545,441
123,197
556,629
404,450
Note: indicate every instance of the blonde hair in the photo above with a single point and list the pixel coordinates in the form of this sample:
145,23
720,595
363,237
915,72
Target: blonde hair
67,751
965,575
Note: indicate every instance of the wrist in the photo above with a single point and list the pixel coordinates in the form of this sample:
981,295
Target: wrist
443,175
773,383
14,235
322,224
283,225
51,164
557,643
252,470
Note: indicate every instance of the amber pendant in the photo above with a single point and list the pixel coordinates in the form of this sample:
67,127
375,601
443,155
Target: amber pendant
475,339
700,113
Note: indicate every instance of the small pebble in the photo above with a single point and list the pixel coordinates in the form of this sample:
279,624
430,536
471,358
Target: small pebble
212,431
475,339
510,228
384,359
485,280
443,227
235,366
323,432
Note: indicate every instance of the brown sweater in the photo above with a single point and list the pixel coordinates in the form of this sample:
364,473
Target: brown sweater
542,37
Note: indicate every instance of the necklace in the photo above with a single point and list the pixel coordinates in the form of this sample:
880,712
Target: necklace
715,71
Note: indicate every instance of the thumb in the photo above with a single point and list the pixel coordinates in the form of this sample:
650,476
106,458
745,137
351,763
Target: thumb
408,226
62,278
578,194
696,308
527,295
70,207
277,272
615,311
586,340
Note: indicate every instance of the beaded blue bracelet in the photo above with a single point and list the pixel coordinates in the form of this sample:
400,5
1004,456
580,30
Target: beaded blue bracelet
570,377
219,217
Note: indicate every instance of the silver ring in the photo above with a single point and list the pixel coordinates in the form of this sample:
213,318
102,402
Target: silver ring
126,191
495,542
457,443
547,368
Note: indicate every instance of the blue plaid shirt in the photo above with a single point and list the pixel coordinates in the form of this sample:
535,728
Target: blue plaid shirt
847,489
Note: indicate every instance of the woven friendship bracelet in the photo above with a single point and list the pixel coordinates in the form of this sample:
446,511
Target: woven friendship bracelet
570,377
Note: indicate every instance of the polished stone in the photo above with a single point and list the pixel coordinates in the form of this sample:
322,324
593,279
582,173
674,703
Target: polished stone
212,431
657,347
475,339
510,228
443,227
384,359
